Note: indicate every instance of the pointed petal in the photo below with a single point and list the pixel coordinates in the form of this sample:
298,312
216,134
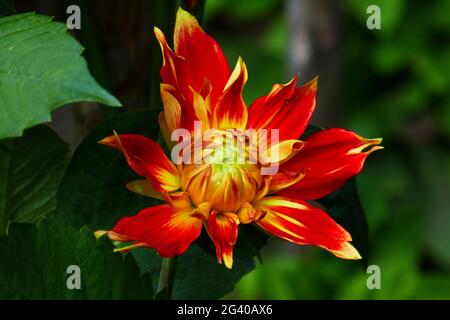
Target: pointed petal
223,231
147,159
300,223
171,61
286,108
265,108
329,158
169,231
231,111
145,188
204,58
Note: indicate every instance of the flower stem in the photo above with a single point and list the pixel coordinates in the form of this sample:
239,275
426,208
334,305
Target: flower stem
167,276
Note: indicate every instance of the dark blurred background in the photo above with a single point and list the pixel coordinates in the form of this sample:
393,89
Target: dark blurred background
392,83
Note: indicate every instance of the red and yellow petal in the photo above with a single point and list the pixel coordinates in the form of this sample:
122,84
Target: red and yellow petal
278,152
248,214
230,112
168,230
265,108
286,108
329,158
201,107
145,188
147,159
171,60
203,57
300,223
223,231
172,108
284,179
178,112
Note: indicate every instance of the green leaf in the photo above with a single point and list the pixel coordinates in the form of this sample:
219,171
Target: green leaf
31,169
41,70
35,260
198,275
93,191
345,207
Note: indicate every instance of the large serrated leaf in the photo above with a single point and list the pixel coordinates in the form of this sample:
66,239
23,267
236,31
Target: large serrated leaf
35,260
198,275
93,191
41,69
31,169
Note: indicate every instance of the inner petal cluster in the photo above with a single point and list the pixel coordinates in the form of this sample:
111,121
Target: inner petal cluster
226,175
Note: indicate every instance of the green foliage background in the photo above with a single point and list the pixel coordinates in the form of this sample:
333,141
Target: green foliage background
394,84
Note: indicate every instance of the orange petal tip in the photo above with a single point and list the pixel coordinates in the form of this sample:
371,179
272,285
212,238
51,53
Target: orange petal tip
374,143
348,252
366,143
313,84
100,233
228,260
107,140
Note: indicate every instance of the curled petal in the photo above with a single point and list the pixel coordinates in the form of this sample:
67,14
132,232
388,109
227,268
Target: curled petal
231,111
178,112
329,158
169,231
286,108
147,159
172,107
223,231
264,188
300,223
202,211
203,57
276,153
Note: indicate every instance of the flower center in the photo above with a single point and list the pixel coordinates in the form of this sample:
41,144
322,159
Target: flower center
226,177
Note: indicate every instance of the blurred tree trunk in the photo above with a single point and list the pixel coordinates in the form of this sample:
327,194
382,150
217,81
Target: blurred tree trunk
315,42
121,51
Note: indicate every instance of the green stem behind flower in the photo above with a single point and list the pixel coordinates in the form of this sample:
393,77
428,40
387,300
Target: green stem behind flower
167,277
